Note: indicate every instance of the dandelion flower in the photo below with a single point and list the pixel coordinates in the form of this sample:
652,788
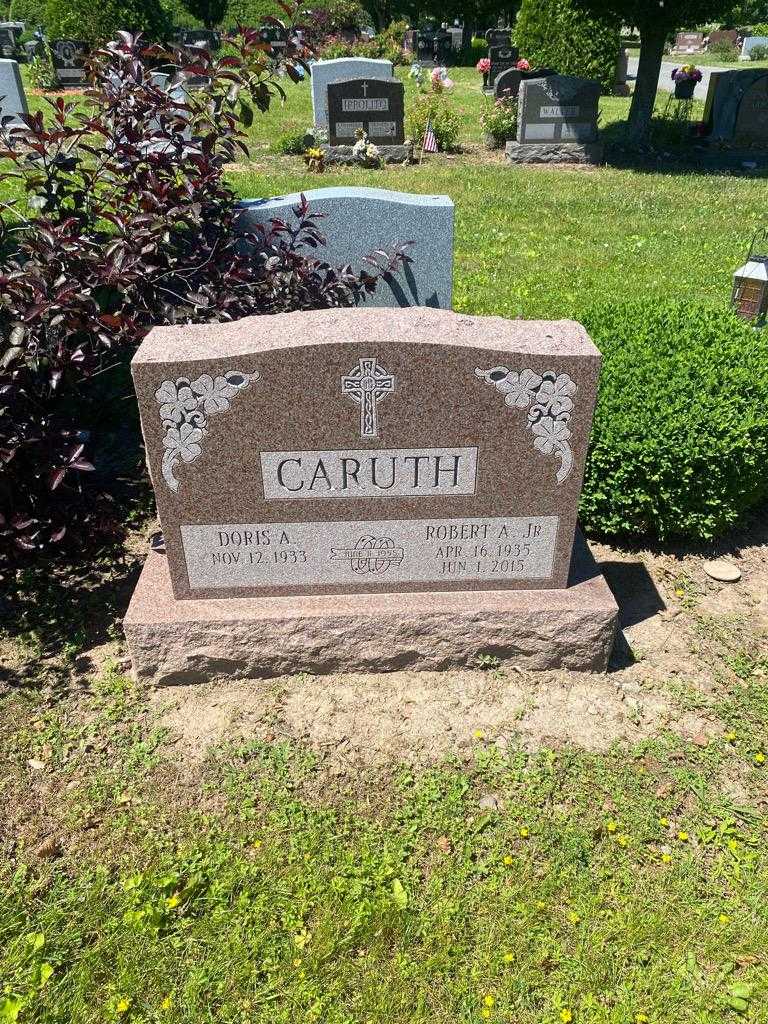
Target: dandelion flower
666,858
524,832
166,1004
664,822
488,1000
123,1005
723,919
683,837
760,758
612,826
730,736
508,958
566,1016
573,917
509,860
641,1018
478,734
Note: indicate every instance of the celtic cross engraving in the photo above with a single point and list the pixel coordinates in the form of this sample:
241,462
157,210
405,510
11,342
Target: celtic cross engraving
366,385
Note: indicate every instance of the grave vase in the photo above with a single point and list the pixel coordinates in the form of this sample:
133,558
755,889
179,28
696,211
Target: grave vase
684,89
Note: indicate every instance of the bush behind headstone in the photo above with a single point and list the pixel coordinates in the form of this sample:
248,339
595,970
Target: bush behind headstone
680,435
98,22
556,34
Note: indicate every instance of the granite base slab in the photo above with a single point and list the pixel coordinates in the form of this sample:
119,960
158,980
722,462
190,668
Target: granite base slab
387,154
555,152
174,641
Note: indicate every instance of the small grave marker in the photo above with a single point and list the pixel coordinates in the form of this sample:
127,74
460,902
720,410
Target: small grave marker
69,57
367,104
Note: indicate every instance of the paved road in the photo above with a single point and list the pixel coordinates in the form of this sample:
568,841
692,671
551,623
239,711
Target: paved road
665,76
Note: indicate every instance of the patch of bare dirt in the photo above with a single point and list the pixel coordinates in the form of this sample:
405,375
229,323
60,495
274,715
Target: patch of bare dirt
676,626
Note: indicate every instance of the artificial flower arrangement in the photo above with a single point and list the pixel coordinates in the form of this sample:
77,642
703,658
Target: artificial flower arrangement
686,73
314,158
483,65
440,81
365,152
523,65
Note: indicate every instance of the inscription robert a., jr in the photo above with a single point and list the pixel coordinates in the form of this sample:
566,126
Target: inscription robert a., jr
383,473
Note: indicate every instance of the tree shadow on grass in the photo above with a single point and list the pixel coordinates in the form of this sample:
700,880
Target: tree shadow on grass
674,150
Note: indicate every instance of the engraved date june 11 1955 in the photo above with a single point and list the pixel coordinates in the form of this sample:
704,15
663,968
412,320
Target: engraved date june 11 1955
386,551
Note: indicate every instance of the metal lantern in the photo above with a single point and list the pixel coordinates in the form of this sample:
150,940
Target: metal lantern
750,282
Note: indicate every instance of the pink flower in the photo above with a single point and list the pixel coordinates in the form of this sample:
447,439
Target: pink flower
483,65
523,65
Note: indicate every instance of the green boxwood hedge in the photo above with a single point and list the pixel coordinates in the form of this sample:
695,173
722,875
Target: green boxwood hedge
680,437
556,34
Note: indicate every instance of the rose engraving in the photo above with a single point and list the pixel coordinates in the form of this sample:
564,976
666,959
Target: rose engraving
549,400
185,406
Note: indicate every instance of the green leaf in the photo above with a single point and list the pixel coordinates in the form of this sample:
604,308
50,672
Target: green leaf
739,1005
741,990
399,894
10,1007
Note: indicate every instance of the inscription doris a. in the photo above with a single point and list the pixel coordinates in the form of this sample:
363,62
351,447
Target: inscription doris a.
392,550
393,472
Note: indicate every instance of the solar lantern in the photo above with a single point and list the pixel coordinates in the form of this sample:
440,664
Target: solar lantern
749,298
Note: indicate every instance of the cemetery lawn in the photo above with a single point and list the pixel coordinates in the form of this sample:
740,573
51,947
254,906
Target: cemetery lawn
400,849
545,242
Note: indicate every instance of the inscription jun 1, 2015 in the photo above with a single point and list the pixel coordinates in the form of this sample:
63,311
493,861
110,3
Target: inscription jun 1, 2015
376,551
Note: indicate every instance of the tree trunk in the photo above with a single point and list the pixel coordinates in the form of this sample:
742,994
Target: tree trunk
652,39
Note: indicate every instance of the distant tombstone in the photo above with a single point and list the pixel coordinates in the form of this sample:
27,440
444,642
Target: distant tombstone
508,83
14,100
442,47
750,43
502,59
735,98
276,36
323,72
372,105
457,36
689,42
557,121
8,44
620,86
751,127
360,220
730,36
409,40
202,38
69,57
498,37
425,45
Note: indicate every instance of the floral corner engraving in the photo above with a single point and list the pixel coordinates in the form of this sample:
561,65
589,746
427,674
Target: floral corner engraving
185,406
549,400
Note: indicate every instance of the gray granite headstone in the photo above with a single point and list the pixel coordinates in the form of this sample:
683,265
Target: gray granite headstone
508,83
498,37
360,220
736,98
8,45
326,71
14,100
69,56
502,58
561,108
370,105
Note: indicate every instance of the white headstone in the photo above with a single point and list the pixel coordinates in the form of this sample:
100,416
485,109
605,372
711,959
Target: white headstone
14,100
326,71
750,43
360,220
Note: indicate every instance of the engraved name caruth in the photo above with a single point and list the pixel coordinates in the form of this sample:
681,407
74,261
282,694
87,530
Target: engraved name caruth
355,474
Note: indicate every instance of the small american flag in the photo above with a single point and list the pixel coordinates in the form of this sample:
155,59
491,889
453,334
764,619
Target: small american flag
430,142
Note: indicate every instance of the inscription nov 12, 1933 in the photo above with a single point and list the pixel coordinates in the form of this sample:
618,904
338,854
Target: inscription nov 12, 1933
366,450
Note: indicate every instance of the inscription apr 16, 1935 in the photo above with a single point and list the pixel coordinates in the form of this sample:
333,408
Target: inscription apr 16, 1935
354,553
366,450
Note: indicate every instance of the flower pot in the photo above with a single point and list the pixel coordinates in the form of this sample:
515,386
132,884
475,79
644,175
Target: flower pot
684,89
485,80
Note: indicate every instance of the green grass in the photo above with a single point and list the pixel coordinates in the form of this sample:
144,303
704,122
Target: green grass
617,888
